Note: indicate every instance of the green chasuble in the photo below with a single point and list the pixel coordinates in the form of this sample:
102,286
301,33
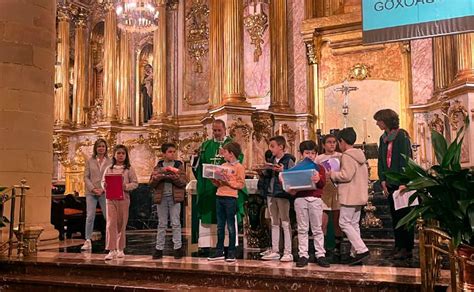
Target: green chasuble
206,191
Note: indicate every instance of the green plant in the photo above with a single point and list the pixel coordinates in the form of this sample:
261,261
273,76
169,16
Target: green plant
445,190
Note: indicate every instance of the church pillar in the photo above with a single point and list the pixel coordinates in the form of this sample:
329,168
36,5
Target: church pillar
80,80
110,63
279,57
444,63
233,53
61,103
216,52
464,44
159,66
315,106
26,104
125,71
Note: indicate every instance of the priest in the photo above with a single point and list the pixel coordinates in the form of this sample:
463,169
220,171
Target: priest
209,153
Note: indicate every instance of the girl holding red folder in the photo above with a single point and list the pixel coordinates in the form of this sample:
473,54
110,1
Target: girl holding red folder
118,206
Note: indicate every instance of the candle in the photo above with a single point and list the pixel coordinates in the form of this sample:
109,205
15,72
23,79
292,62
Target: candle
280,130
258,9
364,120
322,128
301,134
251,9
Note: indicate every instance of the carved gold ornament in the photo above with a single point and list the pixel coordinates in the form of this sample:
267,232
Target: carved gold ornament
240,125
197,40
359,72
457,114
311,52
190,145
61,148
262,125
256,23
437,124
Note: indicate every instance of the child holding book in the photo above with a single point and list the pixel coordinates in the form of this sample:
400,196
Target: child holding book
278,200
330,197
226,200
309,209
117,209
168,181
352,180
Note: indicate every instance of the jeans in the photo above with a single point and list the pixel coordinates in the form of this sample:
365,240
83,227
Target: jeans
91,202
168,206
226,208
309,212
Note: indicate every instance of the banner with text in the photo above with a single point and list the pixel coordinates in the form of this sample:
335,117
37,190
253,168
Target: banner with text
394,20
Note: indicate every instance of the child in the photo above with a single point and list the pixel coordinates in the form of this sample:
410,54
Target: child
278,200
226,200
117,210
168,181
262,186
309,210
353,192
330,197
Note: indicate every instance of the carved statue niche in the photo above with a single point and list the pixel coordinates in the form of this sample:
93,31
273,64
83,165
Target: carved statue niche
94,109
145,81
263,124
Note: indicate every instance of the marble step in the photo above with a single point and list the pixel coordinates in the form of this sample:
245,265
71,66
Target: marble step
79,274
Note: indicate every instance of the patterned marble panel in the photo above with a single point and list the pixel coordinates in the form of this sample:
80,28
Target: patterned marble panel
422,70
257,74
296,56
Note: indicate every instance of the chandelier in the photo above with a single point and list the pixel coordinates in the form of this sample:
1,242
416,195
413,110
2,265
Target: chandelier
137,15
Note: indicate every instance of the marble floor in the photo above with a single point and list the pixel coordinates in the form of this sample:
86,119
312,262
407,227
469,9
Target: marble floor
142,243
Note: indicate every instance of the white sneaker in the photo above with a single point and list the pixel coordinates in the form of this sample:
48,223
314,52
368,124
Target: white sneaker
288,257
111,255
120,254
271,256
264,253
87,245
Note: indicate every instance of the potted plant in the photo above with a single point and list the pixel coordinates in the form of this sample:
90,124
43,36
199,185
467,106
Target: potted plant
446,194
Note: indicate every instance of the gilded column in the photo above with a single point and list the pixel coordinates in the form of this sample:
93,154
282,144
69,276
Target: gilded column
125,73
61,97
406,116
309,9
216,52
314,104
444,64
80,80
159,60
464,44
234,52
110,61
279,55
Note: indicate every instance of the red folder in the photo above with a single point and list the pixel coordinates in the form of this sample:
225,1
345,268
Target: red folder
114,186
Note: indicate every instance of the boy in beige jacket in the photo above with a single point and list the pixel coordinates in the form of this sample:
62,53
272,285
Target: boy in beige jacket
352,180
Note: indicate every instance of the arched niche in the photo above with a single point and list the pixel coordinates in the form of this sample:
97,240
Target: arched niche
144,82
97,72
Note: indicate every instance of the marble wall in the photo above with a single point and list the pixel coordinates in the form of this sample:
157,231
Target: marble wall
296,57
257,73
422,70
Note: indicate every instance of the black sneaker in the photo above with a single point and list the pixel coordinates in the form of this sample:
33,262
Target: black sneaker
323,262
217,256
157,254
178,253
359,258
302,261
230,257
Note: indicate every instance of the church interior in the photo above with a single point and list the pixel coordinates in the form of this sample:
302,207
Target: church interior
74,71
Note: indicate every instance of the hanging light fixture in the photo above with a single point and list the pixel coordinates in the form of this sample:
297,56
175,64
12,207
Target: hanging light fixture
137,15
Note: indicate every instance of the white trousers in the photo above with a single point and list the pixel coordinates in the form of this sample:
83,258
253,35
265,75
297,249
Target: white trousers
349,222
279,209
309,212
